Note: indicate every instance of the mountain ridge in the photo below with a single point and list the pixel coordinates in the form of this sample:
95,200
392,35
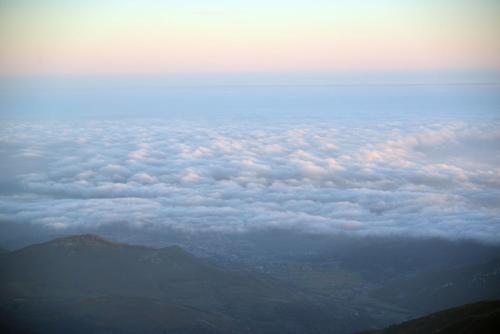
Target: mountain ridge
104,285
481,317
82,240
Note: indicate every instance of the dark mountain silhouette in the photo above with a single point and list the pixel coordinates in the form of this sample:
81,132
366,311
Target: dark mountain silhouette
85,284
482,317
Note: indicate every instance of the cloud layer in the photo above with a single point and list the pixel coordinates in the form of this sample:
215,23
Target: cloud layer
441,179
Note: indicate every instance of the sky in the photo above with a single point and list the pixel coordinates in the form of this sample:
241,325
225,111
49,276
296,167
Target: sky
222,36
361,117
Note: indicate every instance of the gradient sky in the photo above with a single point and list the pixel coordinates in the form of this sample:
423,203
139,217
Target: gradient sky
220,36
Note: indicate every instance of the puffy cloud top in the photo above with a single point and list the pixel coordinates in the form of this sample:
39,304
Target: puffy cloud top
441,179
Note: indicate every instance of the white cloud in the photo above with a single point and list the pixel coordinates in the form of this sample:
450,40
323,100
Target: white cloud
143,178
438,179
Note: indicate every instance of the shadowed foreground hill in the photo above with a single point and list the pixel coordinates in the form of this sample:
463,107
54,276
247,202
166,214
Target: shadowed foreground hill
85,284
482,317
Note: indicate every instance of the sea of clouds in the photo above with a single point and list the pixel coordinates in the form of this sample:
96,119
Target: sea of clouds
414,178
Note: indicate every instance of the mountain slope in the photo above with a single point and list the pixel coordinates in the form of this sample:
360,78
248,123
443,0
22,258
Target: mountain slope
85,284
482,317
437,290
